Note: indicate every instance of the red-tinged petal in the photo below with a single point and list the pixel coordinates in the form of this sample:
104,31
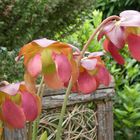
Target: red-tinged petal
10,89
116,36
75,49
115,53
86,83
103,76
30,82
75,71
13,114
52,81
34,66
100,35
89,64
29,105
95,54
105,45
28,51
44,42
130,18
63,67
134,46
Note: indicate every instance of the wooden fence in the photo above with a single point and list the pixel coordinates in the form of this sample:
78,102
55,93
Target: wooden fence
103,102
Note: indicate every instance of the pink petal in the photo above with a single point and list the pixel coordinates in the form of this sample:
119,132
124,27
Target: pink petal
134,46
130,18
29,105
95,54
44,42
63,67
103,76
13,115
53,81
86,83
116,36
34,65
115,53
10,89
89,64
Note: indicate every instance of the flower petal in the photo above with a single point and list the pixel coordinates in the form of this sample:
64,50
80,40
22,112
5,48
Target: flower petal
95,54
13,114
89,64
63,67
34,66
29,105
86,83
30,82
53,81
114,52
103,76
10,89
134,46
130,18
44,42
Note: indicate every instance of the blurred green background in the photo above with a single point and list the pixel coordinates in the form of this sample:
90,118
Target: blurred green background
72,21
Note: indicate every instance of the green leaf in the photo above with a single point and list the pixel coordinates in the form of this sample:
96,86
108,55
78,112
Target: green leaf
135,115
43,136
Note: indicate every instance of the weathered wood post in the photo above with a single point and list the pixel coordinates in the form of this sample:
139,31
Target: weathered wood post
102,99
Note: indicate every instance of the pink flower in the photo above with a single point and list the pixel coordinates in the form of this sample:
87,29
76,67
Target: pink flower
18,105
121,32
92,74
52,59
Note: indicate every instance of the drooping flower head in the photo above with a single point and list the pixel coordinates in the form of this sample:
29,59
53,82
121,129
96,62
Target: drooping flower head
92,74
126,30
52,59
17,105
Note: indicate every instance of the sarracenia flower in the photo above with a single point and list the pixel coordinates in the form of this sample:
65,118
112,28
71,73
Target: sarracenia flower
52,59
17,105
121,32
92,74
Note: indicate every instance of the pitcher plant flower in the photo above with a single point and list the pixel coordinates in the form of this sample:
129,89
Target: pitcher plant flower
18,105
92,74
126,30
52,59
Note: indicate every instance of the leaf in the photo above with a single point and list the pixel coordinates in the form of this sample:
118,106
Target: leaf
135,115
43,136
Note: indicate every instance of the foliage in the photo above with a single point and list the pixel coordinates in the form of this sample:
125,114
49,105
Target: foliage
10,71
127,115
80,37
109,7
22,21
125,76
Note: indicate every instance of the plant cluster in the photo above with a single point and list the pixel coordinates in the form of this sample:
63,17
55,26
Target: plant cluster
63,65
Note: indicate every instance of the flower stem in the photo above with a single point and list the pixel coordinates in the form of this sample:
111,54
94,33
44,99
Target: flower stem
59,128
1,130
36,122
29,134
114,17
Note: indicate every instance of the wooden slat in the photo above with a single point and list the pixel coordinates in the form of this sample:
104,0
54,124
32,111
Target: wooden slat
15,134
50,92
50,102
